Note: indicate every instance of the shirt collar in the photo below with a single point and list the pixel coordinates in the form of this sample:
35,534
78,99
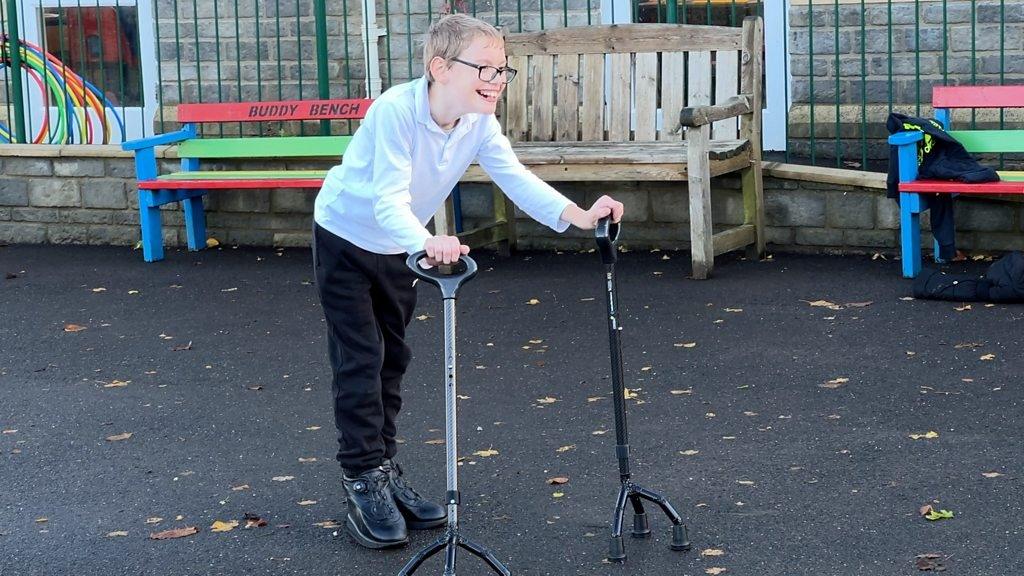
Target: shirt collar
423,111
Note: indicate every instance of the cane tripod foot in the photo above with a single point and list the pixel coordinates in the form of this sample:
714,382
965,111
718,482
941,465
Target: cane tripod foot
616,550
450,542
641,527
680,539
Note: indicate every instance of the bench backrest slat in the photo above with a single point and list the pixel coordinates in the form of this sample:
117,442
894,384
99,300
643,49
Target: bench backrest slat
978,97
348,109
286,146
621,83
990,141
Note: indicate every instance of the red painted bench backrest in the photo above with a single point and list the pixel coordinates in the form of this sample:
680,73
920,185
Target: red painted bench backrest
351,109
978,97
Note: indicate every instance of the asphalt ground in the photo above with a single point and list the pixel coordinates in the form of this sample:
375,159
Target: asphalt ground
779,427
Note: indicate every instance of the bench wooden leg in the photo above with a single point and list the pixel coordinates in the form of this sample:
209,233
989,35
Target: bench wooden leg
505,211
753,207
910,233
195,223
151,227
702,246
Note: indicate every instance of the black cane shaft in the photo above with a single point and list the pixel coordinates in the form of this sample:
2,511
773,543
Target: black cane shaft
618,388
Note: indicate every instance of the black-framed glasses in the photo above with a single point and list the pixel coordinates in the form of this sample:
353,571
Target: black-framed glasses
490,73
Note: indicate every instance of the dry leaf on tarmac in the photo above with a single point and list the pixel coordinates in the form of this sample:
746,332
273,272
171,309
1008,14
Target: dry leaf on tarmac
533,302
307,502
219,526
988,357
254,521
73,328
117,534
566,448
175,533
963,308
423,317
119,437
486,453
282,478
991,474
117,384
968,345
689,452
154,520
239,488
715,570
327,524
927,435
824,304
712,552
832,384
435,441
547,400
557,480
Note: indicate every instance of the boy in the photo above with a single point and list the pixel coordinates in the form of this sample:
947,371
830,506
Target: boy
415,143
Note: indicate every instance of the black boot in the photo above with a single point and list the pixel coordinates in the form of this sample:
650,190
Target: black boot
419,513
373,519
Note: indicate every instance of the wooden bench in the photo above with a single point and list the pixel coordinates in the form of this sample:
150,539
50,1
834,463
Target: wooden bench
945,99
192,182
609,103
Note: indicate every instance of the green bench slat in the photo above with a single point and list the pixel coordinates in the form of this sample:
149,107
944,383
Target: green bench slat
984,141
270,147
244,175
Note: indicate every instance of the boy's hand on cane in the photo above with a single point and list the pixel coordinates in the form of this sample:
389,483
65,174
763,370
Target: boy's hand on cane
444,249
587,219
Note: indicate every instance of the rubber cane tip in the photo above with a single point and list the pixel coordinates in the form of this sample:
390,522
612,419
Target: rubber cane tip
616,550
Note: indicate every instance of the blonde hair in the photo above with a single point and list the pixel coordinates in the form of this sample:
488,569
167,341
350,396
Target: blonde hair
452,34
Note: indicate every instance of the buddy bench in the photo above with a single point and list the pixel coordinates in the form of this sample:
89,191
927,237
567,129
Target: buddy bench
189,185
944,100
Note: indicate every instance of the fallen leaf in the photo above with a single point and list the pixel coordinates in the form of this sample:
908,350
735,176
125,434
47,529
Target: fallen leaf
938,515
307,502
182,347
533,301
153,520
824,304
119,437
306,460
175,533
312,428
42,520
685,344
629,395
547,400
988,357
734,309
424,317
968,345
598,432
117,534
73,328
679,392
927,435
100,289
10,431
436,441
595,398
565,448
963,308
557,480
991,474
859,304
240,488
745,482
212,242
557,494
926,562
712,552
117,384
327,524
714,570
282,478
219,526
486,453
253,521
834,383
690,452
232,289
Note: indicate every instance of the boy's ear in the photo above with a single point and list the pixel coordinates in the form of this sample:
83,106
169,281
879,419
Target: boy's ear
439,68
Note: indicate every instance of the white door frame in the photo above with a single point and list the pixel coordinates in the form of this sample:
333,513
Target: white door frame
138,121
777,73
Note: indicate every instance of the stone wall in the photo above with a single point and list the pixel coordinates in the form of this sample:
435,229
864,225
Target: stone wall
86,195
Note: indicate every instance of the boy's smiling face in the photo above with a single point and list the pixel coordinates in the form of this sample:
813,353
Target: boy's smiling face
461,79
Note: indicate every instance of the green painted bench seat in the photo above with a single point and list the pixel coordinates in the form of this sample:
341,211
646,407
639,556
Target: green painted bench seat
193,181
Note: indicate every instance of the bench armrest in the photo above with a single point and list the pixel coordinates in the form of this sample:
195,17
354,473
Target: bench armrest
186,133
693,116
903,138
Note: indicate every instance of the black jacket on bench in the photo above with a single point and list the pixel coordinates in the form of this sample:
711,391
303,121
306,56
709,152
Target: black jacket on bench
1003,282
940,156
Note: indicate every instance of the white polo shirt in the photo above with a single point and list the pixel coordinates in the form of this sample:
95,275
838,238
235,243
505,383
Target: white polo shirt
400,166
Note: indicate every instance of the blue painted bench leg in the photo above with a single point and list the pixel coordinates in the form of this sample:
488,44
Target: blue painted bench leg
151,226
195,223
910,233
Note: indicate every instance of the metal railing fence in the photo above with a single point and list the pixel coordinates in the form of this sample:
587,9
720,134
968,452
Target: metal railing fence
94,70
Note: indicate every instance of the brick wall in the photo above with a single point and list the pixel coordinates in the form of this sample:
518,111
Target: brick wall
86,195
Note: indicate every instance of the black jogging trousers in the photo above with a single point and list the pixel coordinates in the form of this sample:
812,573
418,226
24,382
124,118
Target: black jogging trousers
368,300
